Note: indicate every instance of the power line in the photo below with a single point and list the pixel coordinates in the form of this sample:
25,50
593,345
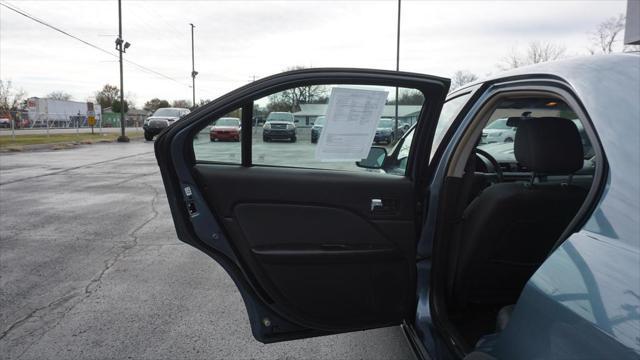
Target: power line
42,22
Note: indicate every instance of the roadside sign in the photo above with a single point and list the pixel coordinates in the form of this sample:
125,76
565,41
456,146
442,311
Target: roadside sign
91,116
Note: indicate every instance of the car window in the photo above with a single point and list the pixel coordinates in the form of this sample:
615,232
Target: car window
398,163
500,124
227,122
280,116
498,137
385,124
168,112
279,143
449,112
219,143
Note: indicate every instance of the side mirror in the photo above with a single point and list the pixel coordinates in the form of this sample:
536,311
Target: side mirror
375,159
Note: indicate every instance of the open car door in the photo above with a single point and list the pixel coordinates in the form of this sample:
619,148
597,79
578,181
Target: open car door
314,247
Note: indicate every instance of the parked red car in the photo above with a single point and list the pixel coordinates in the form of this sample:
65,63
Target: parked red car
226,128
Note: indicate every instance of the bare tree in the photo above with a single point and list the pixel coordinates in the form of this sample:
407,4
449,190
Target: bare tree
290,99
604,37
462,77
59,95
536,52
10,99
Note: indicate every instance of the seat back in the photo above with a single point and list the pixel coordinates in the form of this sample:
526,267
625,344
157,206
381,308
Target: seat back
508,230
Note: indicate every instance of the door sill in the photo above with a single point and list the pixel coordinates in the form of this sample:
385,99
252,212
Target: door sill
415,344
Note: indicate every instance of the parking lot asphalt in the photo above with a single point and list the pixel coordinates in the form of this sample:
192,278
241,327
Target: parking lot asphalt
90,268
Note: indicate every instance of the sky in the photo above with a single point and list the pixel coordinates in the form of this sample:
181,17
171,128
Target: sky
236,41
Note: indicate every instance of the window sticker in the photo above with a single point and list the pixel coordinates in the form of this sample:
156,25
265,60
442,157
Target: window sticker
351,121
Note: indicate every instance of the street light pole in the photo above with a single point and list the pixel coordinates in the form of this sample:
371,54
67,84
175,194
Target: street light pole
397,66
193,68
119,47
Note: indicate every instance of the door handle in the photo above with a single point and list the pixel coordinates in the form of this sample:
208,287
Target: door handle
383,207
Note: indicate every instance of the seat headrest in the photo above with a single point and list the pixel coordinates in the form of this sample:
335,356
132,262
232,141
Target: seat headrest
549,145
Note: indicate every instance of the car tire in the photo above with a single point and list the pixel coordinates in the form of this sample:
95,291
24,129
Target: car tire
265,139
212,140
508,140
148,137
293,139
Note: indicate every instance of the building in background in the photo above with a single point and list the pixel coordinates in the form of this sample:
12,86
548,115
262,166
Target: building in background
407,114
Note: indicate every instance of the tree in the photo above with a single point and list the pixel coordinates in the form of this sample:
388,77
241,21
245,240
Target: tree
107,95
10,99
290,99
155,104
536,52
116,108
462,77
59,95
604,37
181,104
408,97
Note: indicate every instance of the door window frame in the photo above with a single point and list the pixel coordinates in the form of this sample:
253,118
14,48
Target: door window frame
425,86
451,164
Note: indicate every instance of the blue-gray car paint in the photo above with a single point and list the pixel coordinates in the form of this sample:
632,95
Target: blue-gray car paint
584,301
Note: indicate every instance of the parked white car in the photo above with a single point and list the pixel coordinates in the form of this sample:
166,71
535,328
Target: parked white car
498,132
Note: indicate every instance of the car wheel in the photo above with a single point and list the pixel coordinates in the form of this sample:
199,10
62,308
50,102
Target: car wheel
265,139
148,136
293,139
508,140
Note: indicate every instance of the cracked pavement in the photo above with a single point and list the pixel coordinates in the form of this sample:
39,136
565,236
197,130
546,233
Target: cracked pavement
90,268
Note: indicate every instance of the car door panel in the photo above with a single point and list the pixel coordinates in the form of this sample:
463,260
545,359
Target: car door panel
304,247
286,230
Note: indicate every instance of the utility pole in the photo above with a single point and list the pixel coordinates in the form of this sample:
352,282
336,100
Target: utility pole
193,68
121,46
397,69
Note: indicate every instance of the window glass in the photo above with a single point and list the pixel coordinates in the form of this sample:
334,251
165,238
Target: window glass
295,120
449,112
168,112
219,141
498,136
397,163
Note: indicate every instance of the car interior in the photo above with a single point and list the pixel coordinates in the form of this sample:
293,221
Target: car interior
513,202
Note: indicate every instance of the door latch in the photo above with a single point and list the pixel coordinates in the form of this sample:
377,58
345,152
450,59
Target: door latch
376,204
384,206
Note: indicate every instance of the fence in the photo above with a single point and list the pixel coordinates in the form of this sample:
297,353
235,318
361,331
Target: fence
41,120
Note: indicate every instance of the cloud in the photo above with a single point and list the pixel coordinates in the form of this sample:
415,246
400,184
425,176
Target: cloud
236,40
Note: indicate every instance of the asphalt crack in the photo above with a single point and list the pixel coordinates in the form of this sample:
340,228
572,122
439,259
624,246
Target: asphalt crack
87,291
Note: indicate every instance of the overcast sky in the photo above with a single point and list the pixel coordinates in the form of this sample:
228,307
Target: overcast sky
237,40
